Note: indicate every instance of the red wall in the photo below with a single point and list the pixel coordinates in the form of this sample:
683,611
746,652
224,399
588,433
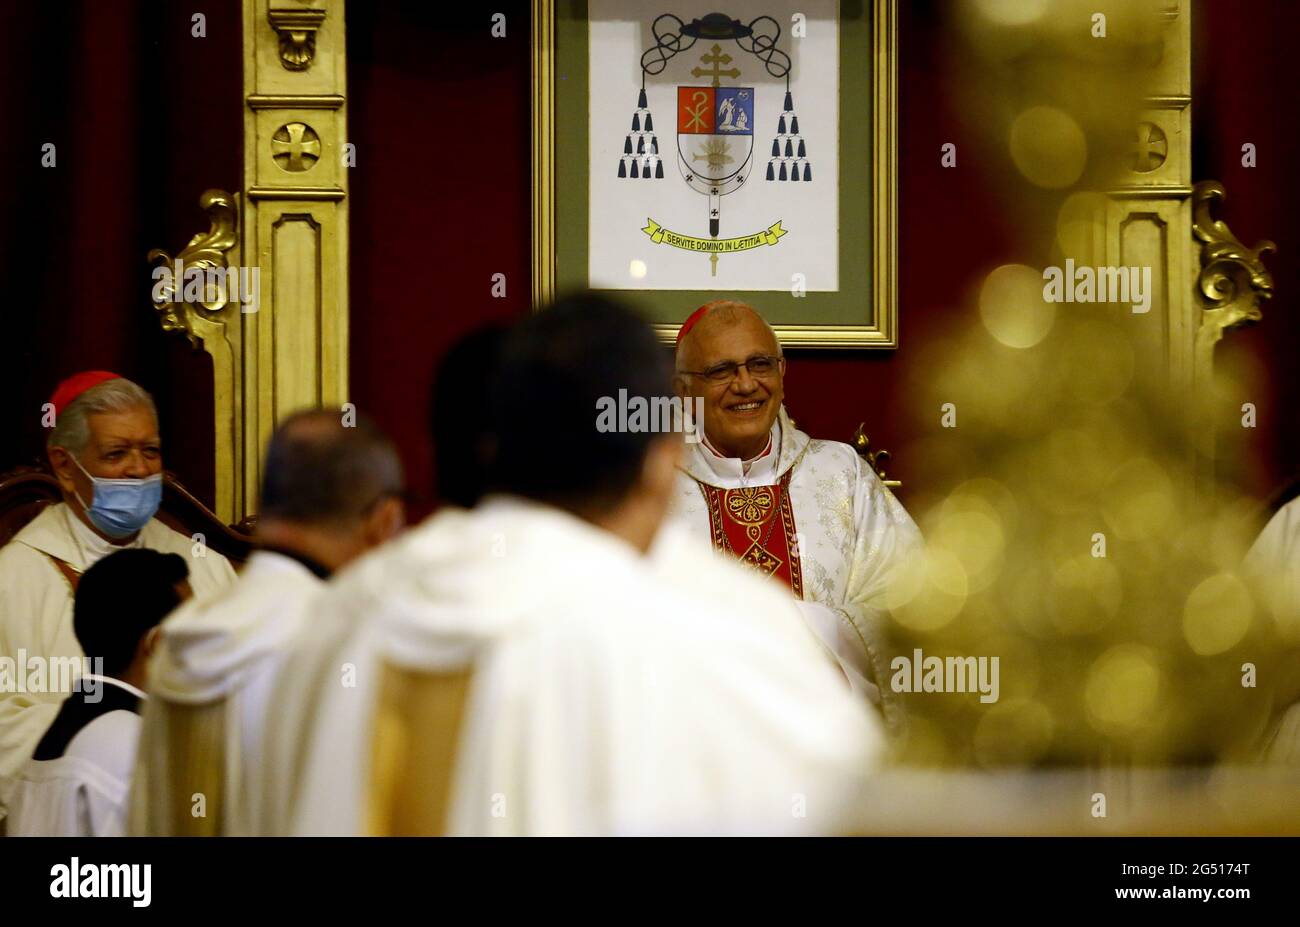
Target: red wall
429,85
421,265
146,116
1245,75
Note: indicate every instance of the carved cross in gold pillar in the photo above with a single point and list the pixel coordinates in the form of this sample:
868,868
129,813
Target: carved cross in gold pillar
295,147
716,59
1150,149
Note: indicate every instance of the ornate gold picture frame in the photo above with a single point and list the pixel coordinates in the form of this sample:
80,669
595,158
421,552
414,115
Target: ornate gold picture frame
861,311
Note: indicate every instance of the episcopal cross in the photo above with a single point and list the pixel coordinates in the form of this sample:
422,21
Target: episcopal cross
716,60
296,147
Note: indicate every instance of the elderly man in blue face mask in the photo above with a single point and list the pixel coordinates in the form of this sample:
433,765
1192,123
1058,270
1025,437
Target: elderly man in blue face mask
106,453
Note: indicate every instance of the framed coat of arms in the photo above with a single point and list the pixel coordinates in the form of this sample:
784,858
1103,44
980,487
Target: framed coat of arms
684,152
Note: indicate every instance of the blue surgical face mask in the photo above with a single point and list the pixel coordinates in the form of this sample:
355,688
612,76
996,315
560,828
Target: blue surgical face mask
120,508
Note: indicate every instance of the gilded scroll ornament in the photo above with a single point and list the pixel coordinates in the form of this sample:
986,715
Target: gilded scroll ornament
1233,280
206,252
875,459
297,32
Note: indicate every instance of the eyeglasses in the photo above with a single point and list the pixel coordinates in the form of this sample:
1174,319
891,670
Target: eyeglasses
760,366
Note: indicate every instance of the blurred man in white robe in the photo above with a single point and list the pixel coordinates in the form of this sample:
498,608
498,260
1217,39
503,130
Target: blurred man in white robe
1273,566
77,781
106,453
809,514
551,662
330,491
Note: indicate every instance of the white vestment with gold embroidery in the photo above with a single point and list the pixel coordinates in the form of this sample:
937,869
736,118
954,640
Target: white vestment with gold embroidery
851,536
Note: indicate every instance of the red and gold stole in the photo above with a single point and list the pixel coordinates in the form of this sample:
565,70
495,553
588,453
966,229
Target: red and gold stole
755,524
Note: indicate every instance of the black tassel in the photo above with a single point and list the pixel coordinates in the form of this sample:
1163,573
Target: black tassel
807,171
780,127
649,123
635,175
794,125
659,169
770,175
654,145
783,177
794,171
640,144
647,174
636,122
803,152
776,148
640,99
789,101
627,145
622,168
789,149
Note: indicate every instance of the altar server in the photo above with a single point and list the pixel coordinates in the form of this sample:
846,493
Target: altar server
76,783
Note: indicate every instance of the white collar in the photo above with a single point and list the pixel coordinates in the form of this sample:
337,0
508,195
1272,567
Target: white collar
113,681
734,473
90,545
278,561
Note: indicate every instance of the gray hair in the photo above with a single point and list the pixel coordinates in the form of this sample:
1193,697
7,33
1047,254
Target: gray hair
319,470
72,426
732,308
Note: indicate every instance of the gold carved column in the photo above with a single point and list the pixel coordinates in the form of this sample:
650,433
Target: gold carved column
1204,281
275,318
1149,221
295,347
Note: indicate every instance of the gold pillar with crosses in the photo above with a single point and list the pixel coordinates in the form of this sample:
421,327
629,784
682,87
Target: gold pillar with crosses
295,219
1149,222
1204,282
279,339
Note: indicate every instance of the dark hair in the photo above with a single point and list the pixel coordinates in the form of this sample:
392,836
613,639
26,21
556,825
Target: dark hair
554,368
319,469
463,442
120,599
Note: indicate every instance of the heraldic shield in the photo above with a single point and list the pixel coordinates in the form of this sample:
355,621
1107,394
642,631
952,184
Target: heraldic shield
715,124
715,137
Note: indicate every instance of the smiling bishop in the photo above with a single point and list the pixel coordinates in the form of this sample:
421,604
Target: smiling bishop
810,514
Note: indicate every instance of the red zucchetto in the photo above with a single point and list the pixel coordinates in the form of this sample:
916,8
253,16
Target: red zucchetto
77,384
691,320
